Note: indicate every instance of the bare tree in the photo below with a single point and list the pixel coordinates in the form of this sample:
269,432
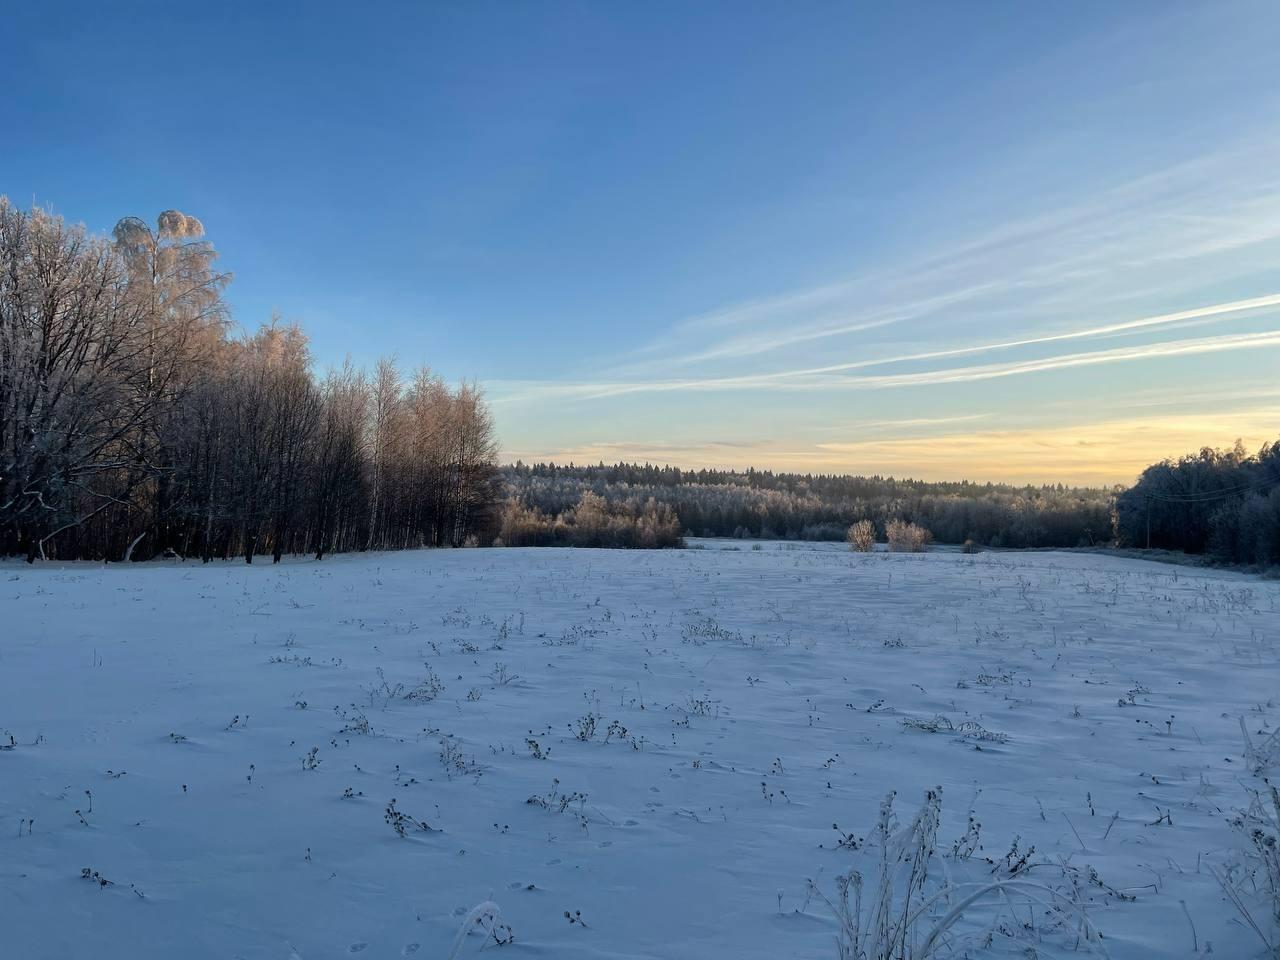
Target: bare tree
132,422
383,409
172,276
72,376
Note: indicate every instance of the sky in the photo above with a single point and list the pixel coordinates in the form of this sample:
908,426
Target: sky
997,241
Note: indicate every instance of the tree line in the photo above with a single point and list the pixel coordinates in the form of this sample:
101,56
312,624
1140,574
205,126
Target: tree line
134,421
768,505
1224,504
1221,503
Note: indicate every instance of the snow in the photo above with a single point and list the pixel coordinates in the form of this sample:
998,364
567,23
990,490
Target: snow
763,694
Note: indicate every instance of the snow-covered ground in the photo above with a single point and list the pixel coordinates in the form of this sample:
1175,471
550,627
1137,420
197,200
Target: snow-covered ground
221,744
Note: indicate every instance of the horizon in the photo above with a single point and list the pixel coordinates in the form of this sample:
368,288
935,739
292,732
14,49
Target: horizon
743,471
997,481
821,240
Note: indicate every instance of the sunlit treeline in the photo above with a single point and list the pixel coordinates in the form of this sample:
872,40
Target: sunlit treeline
134,422
756,503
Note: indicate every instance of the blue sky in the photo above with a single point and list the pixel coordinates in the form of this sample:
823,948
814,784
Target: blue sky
1003,240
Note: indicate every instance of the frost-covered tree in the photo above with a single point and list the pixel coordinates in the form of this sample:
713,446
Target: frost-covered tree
74,373
132,422
862,536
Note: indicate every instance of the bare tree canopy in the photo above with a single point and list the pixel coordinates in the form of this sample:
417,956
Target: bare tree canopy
133,423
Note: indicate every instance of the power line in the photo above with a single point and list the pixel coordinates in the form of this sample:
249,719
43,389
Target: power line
1209,496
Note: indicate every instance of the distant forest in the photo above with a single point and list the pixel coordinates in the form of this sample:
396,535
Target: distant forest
1222,504
788,506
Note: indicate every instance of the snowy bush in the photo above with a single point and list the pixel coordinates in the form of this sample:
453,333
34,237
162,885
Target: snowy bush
593,522
906,537
862,536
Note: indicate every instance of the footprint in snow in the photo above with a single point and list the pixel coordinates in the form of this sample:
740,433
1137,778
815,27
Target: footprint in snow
357,948
410,949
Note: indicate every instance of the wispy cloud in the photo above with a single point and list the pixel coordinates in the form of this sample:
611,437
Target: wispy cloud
1154,232
703,452
1106,451
910,423
1209,313
1173,348
1128,276
822,379
1098,452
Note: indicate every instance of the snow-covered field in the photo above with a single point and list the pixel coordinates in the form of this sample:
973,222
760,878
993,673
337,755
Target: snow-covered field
655,744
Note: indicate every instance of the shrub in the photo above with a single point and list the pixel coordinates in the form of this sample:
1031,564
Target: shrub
906,537
593,522
862,536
